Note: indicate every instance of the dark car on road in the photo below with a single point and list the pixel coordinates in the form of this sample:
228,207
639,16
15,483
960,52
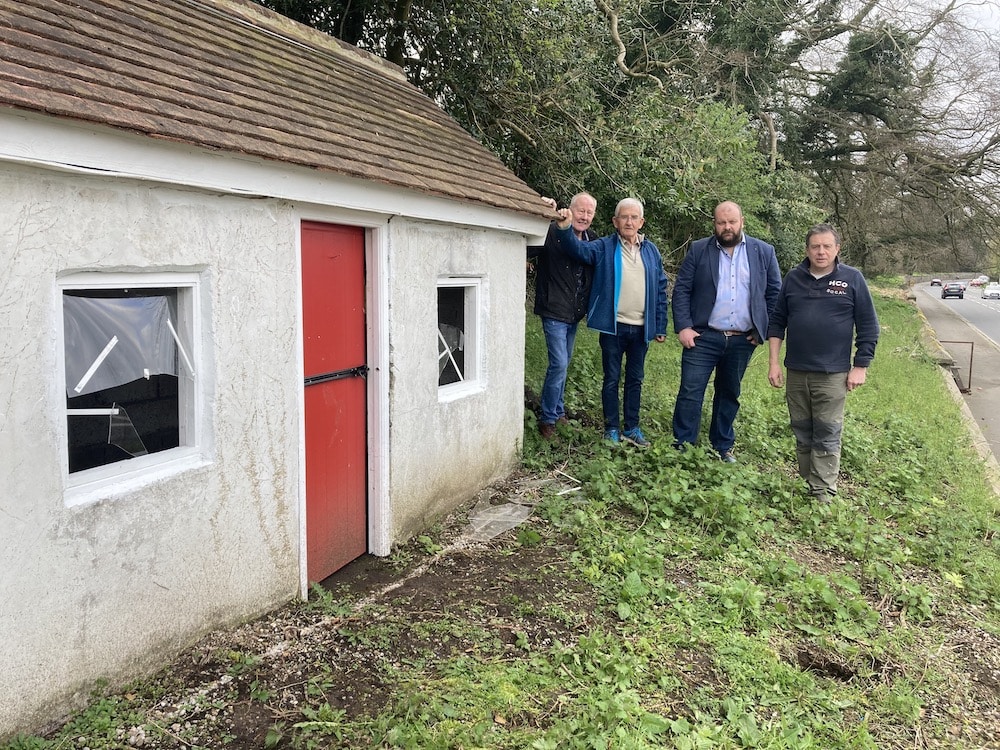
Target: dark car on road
953,289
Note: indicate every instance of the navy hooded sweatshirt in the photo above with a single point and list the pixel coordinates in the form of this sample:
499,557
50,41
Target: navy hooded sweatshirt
821,318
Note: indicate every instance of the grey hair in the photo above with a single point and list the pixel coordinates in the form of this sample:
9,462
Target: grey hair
629,202
823,229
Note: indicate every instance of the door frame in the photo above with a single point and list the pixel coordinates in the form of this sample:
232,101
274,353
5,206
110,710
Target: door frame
377,382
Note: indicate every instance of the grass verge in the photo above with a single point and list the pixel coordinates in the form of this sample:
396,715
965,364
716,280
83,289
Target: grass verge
675,602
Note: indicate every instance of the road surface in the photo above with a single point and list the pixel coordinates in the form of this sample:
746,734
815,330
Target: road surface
969,330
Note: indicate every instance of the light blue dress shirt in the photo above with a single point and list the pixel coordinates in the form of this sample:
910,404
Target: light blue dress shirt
732,298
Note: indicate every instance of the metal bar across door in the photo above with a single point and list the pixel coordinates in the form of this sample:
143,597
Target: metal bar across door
360,371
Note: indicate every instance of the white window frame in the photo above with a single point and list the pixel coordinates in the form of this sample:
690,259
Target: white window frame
123,476
472,375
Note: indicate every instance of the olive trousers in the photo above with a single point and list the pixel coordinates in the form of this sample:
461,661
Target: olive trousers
816,411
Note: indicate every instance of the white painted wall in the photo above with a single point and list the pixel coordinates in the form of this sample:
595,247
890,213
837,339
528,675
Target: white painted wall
111,587
443,451
115,586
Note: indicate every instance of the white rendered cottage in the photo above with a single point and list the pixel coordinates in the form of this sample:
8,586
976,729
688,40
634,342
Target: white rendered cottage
262,314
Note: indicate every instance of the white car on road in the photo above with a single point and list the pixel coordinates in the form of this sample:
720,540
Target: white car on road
991,291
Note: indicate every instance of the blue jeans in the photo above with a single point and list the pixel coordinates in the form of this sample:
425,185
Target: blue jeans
559,340
630,343
728,358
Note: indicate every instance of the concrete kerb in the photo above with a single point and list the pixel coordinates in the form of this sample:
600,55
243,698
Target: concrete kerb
933,346
947,363
979,441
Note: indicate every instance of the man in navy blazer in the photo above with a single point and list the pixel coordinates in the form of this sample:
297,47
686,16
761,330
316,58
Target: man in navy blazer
725,290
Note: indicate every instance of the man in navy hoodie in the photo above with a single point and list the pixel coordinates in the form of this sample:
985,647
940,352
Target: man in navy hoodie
628,305
823,308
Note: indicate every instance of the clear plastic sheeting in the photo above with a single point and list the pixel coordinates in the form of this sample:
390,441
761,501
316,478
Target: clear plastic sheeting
489,519
451,339
111,341
122,433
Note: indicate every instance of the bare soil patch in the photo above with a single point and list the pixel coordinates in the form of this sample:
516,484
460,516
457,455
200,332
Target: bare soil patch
235,686
383,619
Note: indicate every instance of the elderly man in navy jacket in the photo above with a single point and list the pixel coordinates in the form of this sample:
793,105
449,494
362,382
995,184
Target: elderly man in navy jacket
628,305
726,287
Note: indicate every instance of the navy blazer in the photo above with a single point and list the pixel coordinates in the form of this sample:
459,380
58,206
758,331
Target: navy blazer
697,283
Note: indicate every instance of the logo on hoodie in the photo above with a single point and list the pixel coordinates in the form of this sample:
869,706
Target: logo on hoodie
836,286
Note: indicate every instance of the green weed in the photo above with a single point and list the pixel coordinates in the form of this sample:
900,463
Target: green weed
699,605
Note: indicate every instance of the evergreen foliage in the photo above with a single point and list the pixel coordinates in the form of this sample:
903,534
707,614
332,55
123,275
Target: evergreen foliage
880,118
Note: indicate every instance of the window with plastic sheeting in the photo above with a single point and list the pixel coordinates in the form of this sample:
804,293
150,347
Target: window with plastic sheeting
130,368
458,333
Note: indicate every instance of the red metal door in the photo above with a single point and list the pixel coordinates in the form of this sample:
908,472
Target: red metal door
333,322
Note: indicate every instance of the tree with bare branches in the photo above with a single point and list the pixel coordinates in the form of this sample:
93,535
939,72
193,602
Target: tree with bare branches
878,115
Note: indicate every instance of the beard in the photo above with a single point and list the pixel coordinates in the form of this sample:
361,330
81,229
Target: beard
728,238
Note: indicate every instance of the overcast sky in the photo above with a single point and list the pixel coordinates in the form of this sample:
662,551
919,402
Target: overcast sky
986,14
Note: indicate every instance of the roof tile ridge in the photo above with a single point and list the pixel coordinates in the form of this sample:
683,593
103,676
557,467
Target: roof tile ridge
293,32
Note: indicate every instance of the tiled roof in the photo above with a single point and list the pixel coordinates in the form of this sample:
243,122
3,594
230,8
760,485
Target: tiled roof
232,76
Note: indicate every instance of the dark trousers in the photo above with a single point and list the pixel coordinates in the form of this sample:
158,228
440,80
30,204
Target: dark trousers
727,357
630,343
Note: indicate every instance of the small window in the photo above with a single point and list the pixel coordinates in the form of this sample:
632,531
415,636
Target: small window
130,369
458,335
